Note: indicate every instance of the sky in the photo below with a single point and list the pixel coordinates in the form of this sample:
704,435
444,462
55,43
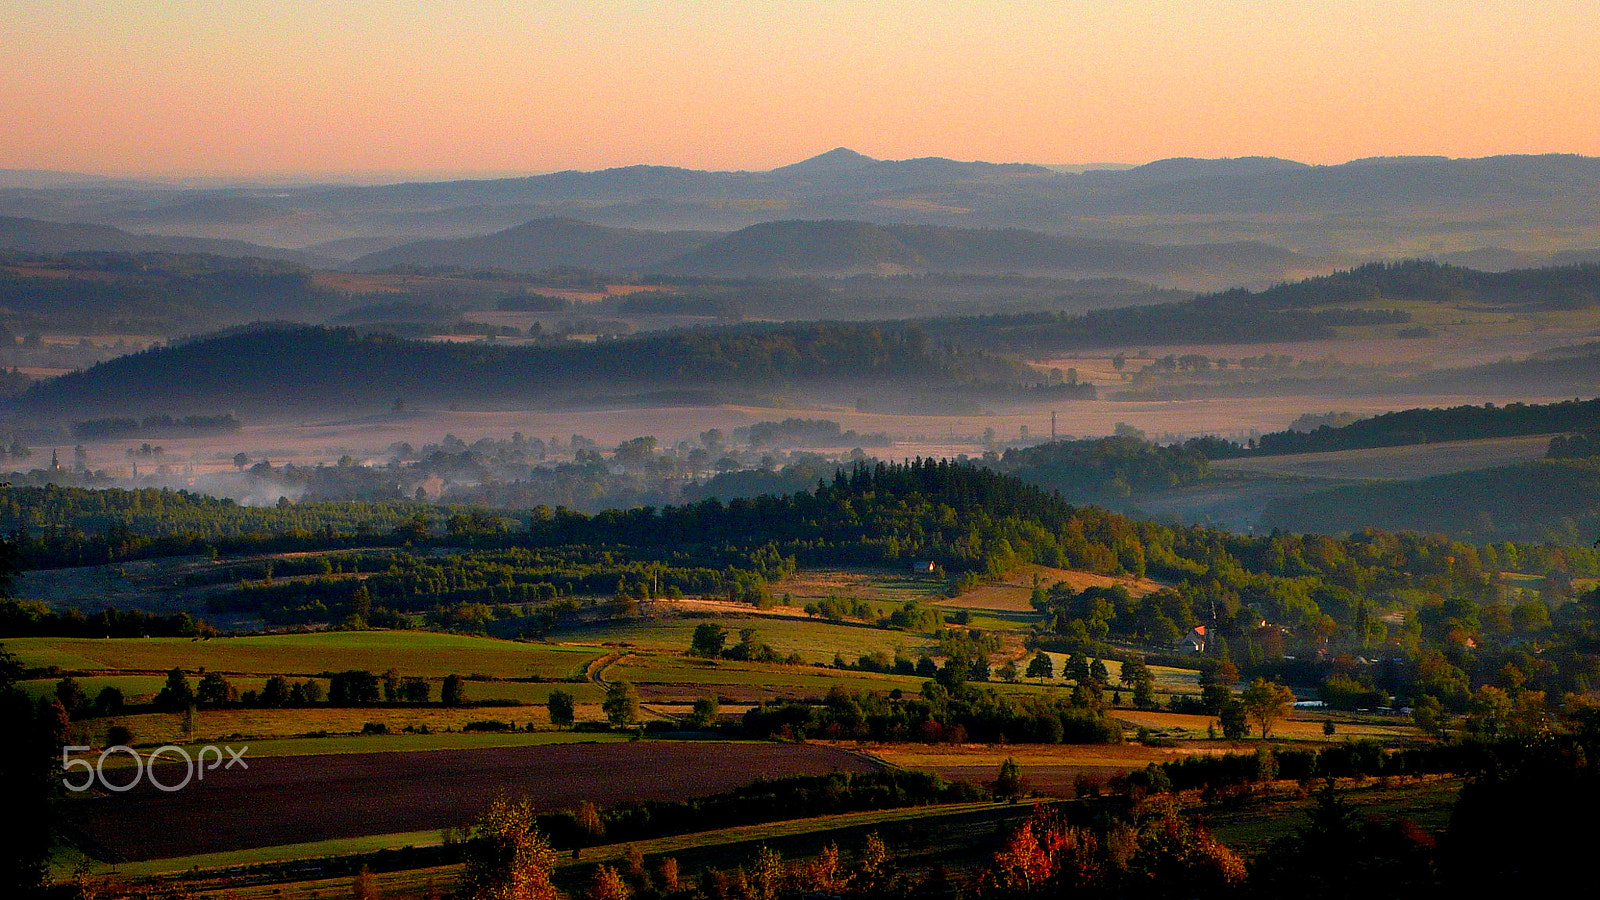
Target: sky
280,87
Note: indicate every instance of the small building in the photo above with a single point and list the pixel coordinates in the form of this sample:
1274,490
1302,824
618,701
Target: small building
923,567
1194,641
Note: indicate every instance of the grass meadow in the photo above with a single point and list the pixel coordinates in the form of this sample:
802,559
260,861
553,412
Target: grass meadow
417,653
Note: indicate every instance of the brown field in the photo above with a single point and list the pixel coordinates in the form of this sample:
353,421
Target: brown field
284,800
1048,769
1013,593
1302,725
872,584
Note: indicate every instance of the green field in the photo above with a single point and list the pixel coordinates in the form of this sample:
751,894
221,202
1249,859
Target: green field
428,654
695,677
1248,829
514,678
143,688
815,641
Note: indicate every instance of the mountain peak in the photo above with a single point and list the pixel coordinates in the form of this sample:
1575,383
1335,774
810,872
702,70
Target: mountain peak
839,159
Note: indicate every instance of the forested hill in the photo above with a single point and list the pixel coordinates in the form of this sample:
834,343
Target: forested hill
1556,287
147,292
36,236
1219,318
301,368
542,244
1423,426
1317,592
849,247
1295,311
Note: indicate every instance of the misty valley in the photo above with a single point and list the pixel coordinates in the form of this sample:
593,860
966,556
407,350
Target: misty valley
855,528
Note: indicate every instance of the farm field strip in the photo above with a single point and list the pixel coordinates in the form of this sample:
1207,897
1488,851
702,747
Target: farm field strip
934,757
143,688
281,800
309,722
428,654
815,640
1298,727
692,674
1412,461
1014,592
392,743
728,840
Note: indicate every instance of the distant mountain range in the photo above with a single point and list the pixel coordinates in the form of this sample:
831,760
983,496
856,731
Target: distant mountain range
1503,211
35,236
834,248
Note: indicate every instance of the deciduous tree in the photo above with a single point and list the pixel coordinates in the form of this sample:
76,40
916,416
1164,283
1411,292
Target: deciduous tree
507,858
562,708
621,704
1265,703
1041,666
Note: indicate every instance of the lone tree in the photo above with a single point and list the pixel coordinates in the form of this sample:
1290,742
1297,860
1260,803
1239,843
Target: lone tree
453,692
1266,702
1232,718
708,641
562,708
1041,666
704,714
621,704
507,858
177,695
1009,785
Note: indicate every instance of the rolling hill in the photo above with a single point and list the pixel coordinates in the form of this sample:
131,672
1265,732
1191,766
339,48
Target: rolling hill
543,244
802,248
286,369
832,248
38,236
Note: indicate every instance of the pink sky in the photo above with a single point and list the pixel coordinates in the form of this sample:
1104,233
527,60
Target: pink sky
295,86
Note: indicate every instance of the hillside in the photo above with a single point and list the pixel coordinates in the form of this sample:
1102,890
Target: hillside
285,369
38,236
1423,426
790,248
542,244
1551,500
153,293
1390,185
1376,294
1575,286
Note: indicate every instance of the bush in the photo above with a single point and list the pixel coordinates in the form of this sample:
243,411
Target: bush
488,725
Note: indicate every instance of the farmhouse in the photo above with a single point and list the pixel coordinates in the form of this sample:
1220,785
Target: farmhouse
1194,641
